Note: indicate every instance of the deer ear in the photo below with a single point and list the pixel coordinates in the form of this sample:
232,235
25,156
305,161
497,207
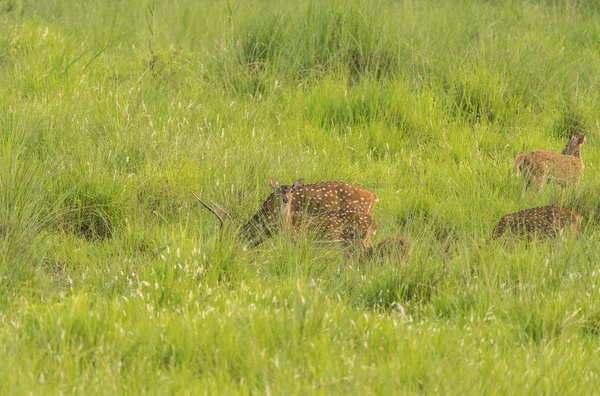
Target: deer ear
298,183
582,138
274,184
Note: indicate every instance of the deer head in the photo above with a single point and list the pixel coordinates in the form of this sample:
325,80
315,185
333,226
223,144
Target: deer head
284,195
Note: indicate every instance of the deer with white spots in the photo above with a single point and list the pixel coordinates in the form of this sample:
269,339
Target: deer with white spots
309,199
344,225
564,169
396,247
544,222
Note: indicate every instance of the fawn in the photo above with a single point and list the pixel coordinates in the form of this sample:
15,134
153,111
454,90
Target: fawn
345,225
541,165
545,222
398,247
309,199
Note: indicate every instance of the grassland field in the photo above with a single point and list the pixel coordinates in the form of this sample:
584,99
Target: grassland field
114,280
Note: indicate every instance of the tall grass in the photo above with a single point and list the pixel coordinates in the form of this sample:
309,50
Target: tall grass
114,279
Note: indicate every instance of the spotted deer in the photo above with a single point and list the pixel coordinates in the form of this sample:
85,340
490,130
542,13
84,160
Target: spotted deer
310,199
398,247
539,166
544,222
344,225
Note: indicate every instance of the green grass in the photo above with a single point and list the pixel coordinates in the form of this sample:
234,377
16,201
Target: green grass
113,279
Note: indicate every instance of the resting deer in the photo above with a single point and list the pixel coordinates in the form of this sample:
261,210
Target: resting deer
345,225
541,165
398,247
310,199
545,222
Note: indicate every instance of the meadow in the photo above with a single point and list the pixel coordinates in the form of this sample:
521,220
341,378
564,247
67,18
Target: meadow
113,279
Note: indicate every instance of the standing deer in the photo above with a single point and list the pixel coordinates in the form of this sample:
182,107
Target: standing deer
310,199
541,165
345,225
545,222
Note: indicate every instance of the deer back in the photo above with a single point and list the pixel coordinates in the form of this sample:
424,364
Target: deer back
331,196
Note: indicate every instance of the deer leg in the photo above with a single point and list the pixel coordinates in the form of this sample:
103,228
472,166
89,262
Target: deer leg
525,188
310,227
539,183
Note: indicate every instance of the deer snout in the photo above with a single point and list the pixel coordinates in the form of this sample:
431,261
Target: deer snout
285,200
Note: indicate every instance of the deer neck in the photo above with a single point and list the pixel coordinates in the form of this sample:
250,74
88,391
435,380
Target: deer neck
286,215
574,152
